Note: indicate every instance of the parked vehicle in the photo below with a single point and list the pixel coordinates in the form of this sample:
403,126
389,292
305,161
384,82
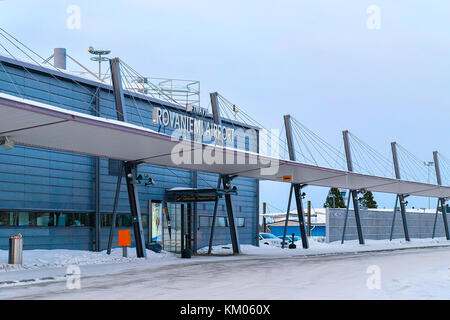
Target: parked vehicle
269,239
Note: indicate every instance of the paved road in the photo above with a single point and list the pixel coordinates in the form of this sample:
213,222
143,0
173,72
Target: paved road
407,274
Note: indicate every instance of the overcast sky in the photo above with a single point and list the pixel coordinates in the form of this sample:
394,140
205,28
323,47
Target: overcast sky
328,63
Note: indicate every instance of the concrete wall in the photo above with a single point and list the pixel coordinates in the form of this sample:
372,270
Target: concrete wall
377,225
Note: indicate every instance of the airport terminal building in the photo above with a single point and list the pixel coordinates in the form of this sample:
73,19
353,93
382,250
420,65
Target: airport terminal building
64,200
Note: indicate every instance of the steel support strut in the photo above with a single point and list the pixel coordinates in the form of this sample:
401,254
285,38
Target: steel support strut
297,187
129,167
346,217
401,197
353,193
287,216
217,120
116,201
442,200
300,214
133,197
393,218
231,221
213,222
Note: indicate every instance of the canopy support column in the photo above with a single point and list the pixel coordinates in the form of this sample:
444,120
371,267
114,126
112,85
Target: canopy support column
226,179
300,214
401,197
296,186
442,200
287,216
393,218
119,97
353,193
346,218
133,198
213,225
116,201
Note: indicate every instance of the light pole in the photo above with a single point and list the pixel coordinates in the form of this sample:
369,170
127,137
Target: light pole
428,164
99,56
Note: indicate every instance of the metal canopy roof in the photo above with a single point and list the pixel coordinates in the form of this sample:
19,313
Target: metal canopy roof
32,123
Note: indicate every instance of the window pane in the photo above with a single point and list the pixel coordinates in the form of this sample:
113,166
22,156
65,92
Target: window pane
7,219
79,219
145,221
221,222
205,221
106,220
61,219
44,219
24,219
124,220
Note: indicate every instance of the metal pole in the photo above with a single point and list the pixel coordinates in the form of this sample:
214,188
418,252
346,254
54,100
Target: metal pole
100,66
194,215
401,197
189,226
439,181
183,231
116,201
393,218
287,216
353,193
309,218
264,217
97,182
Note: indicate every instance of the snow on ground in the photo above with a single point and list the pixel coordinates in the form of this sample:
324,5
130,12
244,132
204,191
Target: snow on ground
320,248
33,259
326,270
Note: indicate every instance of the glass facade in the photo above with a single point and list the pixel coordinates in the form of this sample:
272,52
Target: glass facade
45,219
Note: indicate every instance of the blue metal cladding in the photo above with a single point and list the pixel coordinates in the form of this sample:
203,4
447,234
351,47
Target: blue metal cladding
47,180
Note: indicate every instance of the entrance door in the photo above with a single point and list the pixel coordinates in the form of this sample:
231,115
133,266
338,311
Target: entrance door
172,231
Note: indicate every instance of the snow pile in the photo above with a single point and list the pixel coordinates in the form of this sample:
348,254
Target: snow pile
61,257
318,247
35,259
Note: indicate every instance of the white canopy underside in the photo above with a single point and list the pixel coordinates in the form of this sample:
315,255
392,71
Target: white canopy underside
36,124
